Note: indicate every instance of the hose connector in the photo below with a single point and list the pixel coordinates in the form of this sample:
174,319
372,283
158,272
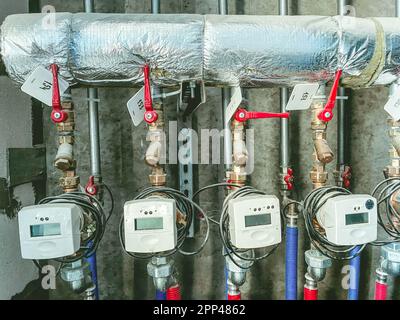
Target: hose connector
160,269
317,264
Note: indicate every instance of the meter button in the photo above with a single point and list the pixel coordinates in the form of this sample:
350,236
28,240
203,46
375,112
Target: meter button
369,204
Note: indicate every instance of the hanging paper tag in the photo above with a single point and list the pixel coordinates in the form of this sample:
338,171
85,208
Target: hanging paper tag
39,85
235,102
393,106
302,96
136,107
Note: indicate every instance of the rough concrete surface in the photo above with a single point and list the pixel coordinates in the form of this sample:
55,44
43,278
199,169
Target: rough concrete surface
123,147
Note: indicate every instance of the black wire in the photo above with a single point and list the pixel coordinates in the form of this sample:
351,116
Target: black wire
91,206
112,202
185,205
230,249
314,201
386,212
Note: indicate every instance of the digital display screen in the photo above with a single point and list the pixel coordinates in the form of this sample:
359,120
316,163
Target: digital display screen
149,224
43,230
257,220
357,218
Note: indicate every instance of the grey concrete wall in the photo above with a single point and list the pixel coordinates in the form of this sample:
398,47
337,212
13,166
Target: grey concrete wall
15,132
123,148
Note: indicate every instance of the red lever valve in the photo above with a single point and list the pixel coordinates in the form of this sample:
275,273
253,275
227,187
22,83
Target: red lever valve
57,115
346,176
242,115
326,115
91,187
289,179
150,115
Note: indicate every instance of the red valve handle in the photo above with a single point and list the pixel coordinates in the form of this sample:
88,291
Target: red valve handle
150,115
326,115
346,176
91,187
289,179
242,115
57,115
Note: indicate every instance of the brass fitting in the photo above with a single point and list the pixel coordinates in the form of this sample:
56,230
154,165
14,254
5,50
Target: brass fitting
318,174
324,152
68,126
393,170
69,182
240,153
158,178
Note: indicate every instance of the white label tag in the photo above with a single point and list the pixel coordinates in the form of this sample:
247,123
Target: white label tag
302,96
40,85
136,107
236,100
393,106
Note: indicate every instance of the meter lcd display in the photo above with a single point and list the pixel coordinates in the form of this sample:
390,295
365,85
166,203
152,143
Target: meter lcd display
257,220
149,224
357,218
43,230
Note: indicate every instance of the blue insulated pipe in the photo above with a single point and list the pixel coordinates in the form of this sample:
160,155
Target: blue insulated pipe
292,234
354,276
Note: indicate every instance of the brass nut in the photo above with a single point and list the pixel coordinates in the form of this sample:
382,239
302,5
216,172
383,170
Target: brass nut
69,105
158,180
392,172
66,139
318,177
69,182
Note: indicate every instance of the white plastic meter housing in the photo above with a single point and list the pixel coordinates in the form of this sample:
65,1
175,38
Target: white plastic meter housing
254,221
349,220
49,231
150,225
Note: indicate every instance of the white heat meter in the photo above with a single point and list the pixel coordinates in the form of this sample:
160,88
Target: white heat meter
349,220
254,221
150,225
49,231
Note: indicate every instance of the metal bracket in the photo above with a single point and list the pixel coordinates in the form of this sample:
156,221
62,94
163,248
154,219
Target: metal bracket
191,97
25,165
193,94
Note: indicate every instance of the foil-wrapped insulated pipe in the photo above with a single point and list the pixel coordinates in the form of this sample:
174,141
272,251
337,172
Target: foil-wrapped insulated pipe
250,51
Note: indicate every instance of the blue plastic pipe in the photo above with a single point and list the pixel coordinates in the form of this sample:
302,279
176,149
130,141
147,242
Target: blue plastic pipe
292,234
92,260
354,276
161,295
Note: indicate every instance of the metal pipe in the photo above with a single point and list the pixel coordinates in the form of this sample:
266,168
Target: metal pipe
341,140
94,132
88,5
398,8
226,95
155,6
95,161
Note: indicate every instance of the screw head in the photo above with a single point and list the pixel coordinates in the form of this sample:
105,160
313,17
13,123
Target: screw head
327,114
57,115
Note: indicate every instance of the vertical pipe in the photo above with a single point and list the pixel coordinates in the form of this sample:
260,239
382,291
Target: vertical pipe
354,276
341,109
161,295
94,133
155,6
292,235
226,95
292,230
398,8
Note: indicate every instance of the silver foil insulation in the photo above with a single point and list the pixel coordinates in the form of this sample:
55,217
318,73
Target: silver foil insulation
250,51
